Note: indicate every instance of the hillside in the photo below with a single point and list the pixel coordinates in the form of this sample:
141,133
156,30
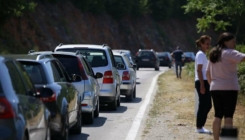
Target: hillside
51,24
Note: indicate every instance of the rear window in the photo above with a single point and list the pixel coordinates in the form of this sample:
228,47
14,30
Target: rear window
118,59
35,71
70,63
96,57
146,54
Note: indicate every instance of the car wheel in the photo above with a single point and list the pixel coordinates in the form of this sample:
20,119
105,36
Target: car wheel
97,110
130,96
135,92
137,68
78,126
48,134
118,101
65,132
113,105
157,68
25,137
90,117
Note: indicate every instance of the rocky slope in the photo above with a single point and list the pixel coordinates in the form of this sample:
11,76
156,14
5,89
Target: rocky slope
52,24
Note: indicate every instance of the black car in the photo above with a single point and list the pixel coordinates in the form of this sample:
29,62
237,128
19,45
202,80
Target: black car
147,59
57,92
165,59
189,57
23,116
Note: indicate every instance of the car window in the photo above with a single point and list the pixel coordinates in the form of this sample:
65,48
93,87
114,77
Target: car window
16,79
35,71
26,78
127,61
69,62
59,76
62,69
112,58
119,59
146,54
96,57
86,67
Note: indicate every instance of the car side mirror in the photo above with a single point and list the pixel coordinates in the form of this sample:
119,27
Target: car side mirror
98,75
120,66
76,78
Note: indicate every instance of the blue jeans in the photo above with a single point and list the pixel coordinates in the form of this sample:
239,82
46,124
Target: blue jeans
178,64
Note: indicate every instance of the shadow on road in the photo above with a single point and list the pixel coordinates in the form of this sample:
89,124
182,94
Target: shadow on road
98,122
81,136
120,109
138,83
135,100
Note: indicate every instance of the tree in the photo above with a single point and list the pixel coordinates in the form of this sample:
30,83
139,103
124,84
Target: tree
217,13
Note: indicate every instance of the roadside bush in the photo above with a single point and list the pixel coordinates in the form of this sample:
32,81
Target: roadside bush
190,69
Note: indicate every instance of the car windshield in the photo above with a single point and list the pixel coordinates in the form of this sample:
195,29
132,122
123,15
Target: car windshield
162,54
35,71
119,59
96,57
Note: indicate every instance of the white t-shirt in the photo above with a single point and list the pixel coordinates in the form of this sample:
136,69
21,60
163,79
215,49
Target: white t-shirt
201,59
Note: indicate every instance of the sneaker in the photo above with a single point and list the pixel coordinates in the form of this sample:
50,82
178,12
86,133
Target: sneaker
203,130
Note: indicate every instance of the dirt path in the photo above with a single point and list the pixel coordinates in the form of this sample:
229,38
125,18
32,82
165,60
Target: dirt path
171,116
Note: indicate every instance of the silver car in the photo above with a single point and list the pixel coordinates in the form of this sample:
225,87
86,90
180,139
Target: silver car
127,75
75,63
101,59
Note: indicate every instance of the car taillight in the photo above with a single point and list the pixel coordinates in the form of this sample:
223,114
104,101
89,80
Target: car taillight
108,77
52,98
84,104
6,110
83,74
126,75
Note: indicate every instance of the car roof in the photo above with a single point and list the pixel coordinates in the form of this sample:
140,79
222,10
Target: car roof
25,57
58,52
90,46
126,51
118,53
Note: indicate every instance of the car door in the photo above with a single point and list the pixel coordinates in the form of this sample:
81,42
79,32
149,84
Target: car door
116,74
32,108
71,92
131,69
93,81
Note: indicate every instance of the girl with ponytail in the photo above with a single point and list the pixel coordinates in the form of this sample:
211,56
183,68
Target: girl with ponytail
223,80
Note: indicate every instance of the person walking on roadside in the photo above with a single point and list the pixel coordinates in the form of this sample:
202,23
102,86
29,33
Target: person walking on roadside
201,83
223,80
177,55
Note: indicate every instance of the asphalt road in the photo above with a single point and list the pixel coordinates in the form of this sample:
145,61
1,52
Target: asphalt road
115,125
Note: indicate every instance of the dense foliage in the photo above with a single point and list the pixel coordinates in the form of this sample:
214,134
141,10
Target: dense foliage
219,14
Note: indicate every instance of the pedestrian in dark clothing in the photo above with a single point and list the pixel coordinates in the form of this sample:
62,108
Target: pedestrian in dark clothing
177,55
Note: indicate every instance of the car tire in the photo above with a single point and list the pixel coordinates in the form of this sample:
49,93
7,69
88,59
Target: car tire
134,92
90,117
65,131
25,137
78,126
157,69
113,105
130,97
97,110
118,101
137,68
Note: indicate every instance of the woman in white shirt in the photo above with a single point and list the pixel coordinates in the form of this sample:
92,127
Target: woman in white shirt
201,83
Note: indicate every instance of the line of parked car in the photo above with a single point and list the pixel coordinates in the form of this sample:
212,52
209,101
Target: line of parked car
49,94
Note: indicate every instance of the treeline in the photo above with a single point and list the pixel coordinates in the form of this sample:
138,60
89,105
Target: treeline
159,9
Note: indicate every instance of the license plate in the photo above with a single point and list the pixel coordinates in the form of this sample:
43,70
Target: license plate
145,59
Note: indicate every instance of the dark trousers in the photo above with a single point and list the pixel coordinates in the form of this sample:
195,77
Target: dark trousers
178,64
205,104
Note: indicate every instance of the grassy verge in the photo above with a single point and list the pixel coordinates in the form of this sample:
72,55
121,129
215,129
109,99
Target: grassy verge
172,110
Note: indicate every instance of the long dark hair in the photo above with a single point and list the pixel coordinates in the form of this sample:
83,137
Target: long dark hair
215,53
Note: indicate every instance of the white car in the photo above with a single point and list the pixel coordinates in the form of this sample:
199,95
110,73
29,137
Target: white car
127,75
101,59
